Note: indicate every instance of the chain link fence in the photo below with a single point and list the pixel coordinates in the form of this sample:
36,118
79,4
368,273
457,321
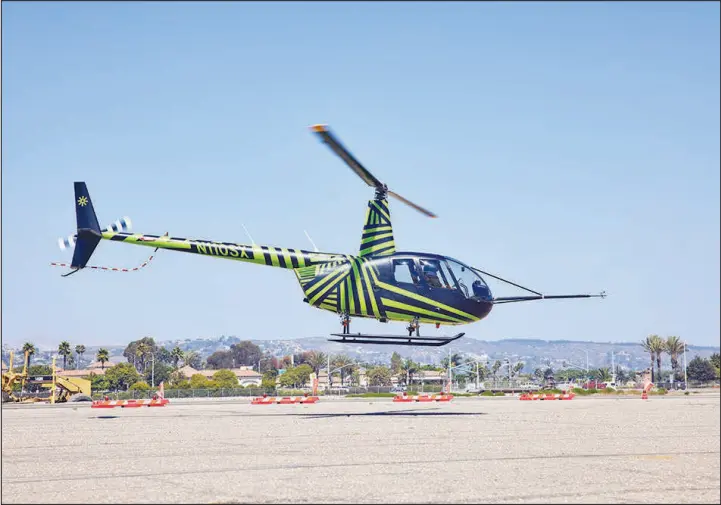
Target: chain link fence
248,392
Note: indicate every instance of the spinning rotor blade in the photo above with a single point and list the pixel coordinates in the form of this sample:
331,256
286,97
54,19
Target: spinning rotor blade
411,204
331,141
328,138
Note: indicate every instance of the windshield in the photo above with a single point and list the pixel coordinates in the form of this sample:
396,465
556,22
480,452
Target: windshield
469,282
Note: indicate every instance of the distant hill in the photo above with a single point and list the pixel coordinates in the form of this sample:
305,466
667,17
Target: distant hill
533,352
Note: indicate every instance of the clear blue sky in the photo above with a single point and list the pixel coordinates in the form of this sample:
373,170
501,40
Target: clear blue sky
569,147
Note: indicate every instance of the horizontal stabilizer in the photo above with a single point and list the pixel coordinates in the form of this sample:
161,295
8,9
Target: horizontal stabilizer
358,338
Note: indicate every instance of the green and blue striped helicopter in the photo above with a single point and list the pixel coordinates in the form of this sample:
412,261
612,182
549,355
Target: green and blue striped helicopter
378,282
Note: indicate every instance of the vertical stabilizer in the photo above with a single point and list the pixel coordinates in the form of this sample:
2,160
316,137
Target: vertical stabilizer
89,233
377,238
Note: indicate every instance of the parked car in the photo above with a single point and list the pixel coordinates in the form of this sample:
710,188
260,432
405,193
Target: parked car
529,386
671,385
471,388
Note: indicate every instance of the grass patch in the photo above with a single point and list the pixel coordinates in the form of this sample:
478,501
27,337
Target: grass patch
371,395
392,395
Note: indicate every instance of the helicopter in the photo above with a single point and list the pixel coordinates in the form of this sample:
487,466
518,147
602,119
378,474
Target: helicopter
378,282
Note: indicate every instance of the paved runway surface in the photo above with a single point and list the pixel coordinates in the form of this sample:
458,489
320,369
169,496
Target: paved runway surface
663,450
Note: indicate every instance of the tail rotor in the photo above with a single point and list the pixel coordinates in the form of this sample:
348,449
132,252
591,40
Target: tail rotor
88,235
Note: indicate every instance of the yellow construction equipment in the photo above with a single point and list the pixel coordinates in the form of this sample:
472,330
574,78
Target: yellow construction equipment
10,378
62,389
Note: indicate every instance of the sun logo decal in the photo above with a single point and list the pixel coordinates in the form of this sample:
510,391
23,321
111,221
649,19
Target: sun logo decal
82,201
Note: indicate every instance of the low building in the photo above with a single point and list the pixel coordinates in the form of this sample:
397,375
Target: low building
96,368
245,374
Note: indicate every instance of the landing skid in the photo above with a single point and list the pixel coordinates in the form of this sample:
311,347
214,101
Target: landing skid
358,338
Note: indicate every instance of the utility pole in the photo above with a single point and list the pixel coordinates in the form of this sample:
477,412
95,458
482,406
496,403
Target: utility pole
328,386
450,374
152,372
613,368
685,376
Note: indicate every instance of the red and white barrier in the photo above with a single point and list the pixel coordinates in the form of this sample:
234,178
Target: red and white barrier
549,396
158,400
283,400
110,404
404,398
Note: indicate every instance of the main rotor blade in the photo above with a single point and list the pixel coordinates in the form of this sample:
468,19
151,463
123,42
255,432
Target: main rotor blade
328,138
411,204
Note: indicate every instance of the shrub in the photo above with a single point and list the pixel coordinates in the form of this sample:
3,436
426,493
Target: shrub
225,379
140,386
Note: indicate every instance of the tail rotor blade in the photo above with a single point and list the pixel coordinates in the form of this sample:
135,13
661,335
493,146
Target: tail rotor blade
122,224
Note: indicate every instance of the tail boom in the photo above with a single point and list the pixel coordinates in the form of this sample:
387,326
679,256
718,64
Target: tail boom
263,255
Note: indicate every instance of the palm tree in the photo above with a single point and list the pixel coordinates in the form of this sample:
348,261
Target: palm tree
653,345
342,361
410,368
660,347
29,348
517,368
456,359
317,360
538,374
674,347
103,356
190,357
495,367
79,350
177,355
64,351
603,374
141,352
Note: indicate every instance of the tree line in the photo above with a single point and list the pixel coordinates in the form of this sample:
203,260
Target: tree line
149,363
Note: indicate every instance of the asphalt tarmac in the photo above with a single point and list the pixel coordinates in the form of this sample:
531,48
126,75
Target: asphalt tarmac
499,450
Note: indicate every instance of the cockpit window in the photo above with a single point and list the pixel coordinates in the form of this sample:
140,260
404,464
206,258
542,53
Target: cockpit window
436,274
404,270
469,282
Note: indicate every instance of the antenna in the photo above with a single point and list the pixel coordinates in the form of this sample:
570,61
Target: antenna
246,232
311,241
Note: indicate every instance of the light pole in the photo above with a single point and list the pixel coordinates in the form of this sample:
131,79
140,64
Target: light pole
450,373
588,370
567,365
261,359
337,369
152,371
477,362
